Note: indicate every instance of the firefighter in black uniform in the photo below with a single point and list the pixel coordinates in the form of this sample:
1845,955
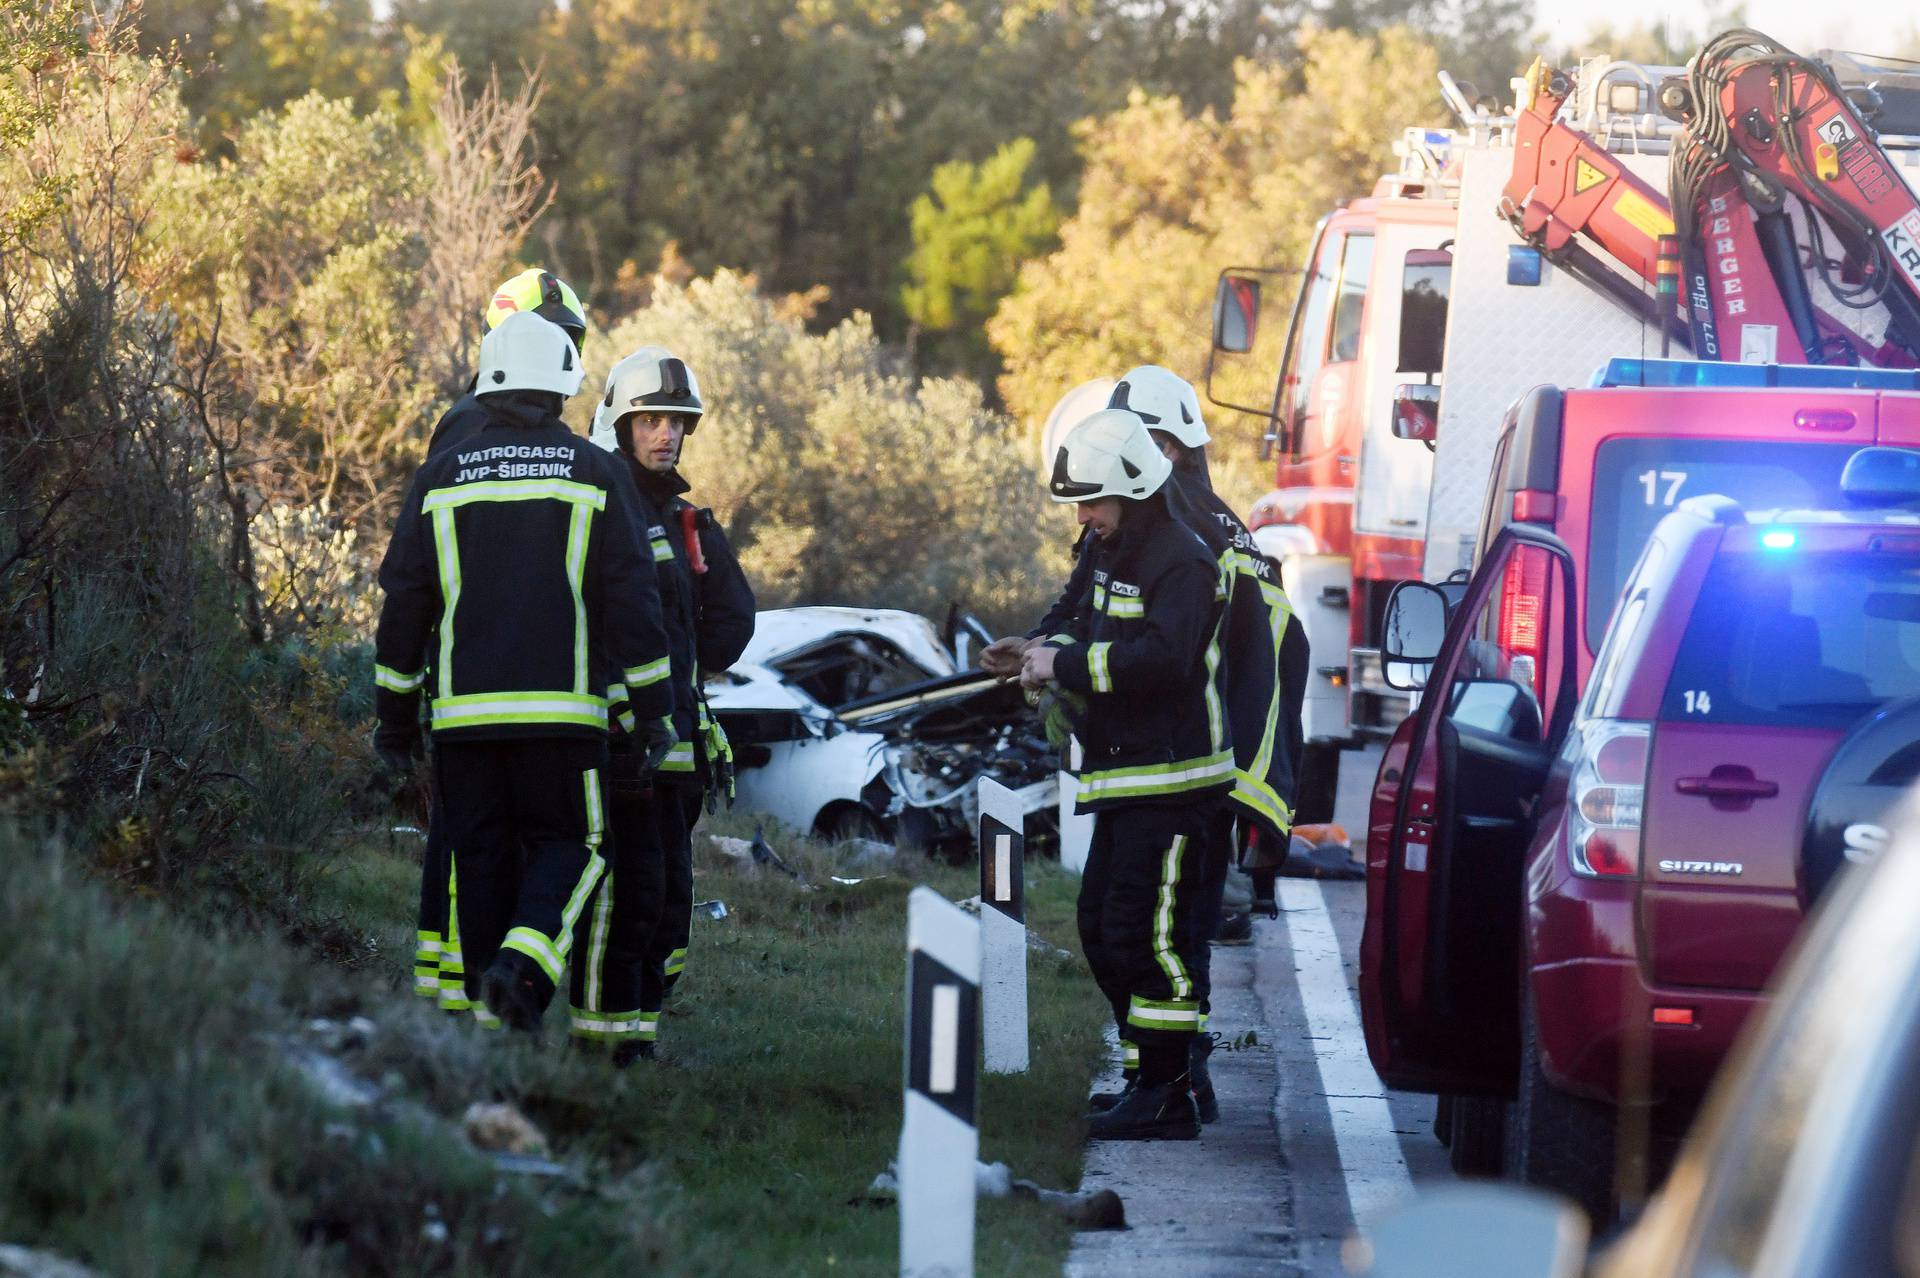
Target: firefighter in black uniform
1261,678
1159,759
438,970
514,583
634,946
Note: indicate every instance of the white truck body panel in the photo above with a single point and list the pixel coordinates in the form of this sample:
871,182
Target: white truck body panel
1503,340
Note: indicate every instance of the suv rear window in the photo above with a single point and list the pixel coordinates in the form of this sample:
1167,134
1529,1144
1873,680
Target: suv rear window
1636,481
1805,640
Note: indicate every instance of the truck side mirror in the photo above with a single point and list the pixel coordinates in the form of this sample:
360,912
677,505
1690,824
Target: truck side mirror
1236,314
1416,412
1416,625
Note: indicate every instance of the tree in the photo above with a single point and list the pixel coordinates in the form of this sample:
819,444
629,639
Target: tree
1169,197
971,232
841,477
248,56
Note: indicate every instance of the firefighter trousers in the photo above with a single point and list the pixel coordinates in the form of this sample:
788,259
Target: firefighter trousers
1216,854
609,999
439,971
675,810
526,818
1139,895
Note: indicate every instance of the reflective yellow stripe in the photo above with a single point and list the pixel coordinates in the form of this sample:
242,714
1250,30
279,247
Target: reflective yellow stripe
1216,717
1163,1014
1097,671
1253,793
482,709
607,1026
1157,778
651,673
447,555
393,681
540,949
1163,953
579,528
566,490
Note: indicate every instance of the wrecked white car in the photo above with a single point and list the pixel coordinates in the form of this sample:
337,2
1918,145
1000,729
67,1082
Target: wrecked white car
861,723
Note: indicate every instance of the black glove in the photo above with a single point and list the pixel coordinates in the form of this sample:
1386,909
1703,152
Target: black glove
399,748
653,741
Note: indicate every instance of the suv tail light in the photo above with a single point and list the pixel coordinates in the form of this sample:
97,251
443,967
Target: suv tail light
1523,614
1608,790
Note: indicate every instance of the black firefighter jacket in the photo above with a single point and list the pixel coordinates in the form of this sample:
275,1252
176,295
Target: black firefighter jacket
517,591
1143,652
1263,677
458,424
707,604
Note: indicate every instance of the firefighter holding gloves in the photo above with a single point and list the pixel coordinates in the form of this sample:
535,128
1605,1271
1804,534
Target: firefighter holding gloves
632,944
515,584
1158,762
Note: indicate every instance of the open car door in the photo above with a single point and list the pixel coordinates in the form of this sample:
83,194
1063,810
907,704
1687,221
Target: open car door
1453,814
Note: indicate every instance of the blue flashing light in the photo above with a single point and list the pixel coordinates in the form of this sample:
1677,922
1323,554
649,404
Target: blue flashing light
1674,373
1779,539
1524,266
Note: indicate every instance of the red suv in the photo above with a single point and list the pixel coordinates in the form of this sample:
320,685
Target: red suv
1600,465
1575,900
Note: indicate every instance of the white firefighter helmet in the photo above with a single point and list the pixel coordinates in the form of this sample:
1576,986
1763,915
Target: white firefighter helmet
1164,400
1078,404
525,352
651,380
1109,454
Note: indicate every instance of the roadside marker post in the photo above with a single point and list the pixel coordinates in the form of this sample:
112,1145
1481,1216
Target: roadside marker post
939,1135
1003,928
1076,831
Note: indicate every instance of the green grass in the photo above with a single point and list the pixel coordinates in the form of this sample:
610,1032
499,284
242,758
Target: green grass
160,1136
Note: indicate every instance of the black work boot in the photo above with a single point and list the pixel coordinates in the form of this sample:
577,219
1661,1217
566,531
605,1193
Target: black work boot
628,1052
512,990
1155,1111
1203,1098
1101,1102
1235,929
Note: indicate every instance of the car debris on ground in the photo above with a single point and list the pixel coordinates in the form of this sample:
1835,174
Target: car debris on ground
863,723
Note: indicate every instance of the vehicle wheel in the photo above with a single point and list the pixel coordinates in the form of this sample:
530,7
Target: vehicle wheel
852,821
1476,1131
1443,1119
1319,781
1557,1140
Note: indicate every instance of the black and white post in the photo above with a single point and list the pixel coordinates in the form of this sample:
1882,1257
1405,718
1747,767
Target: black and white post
1003,928
939,1137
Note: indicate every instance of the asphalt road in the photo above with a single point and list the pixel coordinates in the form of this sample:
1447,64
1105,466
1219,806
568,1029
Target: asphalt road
1309,1140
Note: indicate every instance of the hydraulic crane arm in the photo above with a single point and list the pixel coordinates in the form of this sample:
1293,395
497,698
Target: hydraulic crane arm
1762,125
1758,128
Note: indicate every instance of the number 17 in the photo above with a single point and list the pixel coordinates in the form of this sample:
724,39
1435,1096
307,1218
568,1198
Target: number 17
1651,479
